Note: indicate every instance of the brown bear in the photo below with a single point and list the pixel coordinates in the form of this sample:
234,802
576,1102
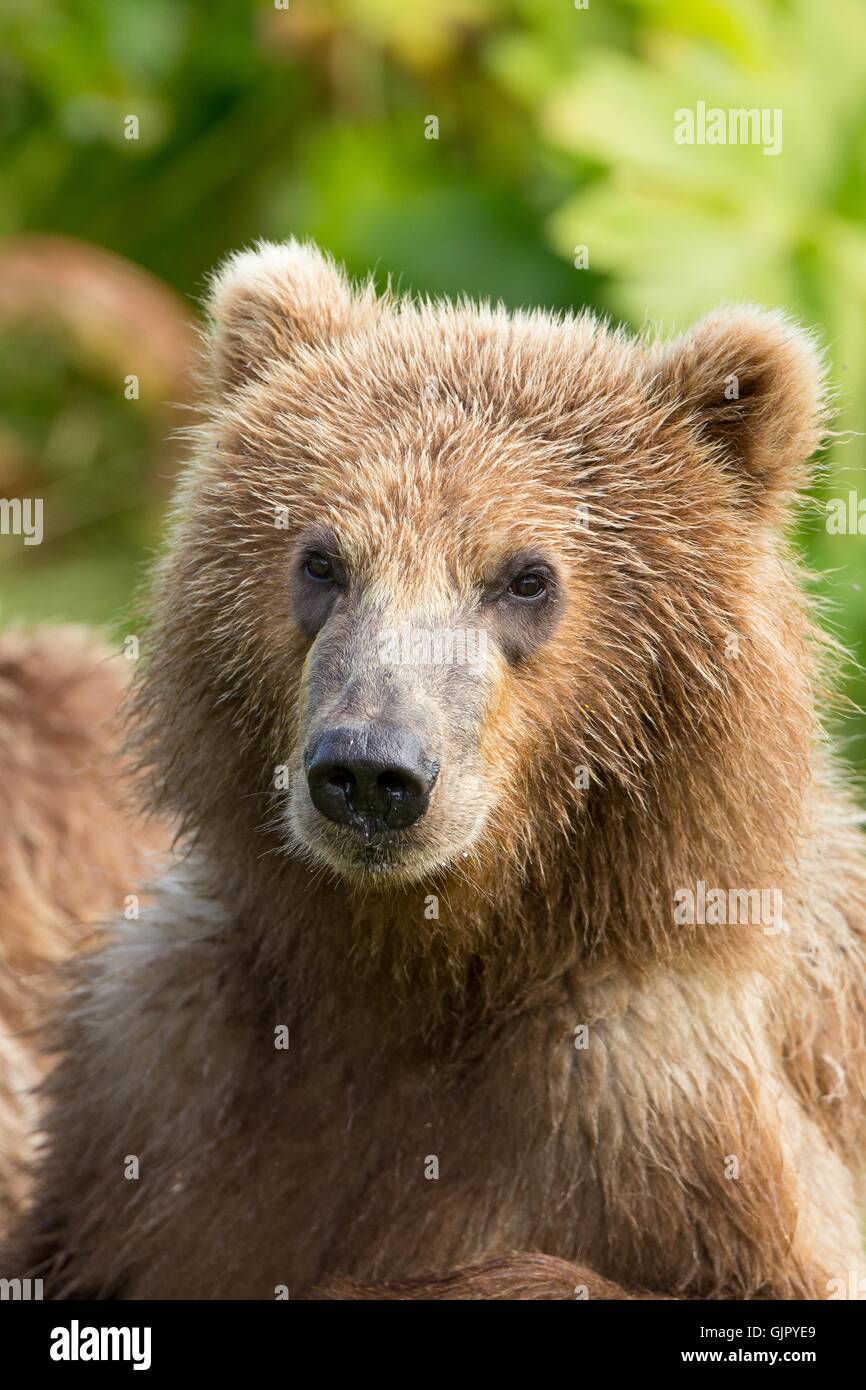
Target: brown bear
72,846
517,946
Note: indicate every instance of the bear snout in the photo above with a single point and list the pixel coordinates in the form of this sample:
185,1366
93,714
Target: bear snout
372,778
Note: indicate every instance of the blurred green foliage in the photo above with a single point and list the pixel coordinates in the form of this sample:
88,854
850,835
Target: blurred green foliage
555,131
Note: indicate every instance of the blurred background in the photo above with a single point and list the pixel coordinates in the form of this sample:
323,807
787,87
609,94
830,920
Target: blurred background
141,142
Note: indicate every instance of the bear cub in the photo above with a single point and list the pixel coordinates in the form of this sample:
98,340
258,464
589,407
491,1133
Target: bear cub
478,650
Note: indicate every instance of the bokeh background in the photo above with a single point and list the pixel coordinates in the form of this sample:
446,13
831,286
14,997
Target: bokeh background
555,131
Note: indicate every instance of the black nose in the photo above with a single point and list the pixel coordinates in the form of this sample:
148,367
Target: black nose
372,778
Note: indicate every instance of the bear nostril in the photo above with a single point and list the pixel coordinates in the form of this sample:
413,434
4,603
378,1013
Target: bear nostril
394,783
343,781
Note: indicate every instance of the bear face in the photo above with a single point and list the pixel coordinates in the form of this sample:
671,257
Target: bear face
441,574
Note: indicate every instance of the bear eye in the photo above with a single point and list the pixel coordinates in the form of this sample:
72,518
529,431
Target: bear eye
528,585
319,567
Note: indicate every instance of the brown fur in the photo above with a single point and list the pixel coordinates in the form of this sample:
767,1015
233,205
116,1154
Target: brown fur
432,441
516,1276
70,848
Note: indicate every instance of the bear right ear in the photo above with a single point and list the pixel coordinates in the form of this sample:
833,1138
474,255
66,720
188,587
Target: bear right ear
752,387
265,303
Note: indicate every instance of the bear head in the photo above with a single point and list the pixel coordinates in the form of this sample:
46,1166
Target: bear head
443,578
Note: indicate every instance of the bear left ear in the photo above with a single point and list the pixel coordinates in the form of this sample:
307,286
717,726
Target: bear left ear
752,386
266,303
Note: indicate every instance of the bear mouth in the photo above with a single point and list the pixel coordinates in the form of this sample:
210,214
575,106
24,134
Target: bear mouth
390,858
358,853
385,854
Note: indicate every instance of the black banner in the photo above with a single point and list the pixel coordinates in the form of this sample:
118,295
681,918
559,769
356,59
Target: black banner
225,1338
